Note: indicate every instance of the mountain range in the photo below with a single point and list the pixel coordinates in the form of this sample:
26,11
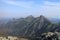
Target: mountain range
29,26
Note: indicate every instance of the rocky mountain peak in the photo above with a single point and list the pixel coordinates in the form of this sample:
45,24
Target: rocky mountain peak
29,18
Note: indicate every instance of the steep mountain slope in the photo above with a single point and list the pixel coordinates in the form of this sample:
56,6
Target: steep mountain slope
29,26
38,26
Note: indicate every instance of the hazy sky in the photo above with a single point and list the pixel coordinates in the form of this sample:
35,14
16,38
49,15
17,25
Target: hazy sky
23,8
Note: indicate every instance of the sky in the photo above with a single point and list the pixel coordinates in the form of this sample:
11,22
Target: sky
23,8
